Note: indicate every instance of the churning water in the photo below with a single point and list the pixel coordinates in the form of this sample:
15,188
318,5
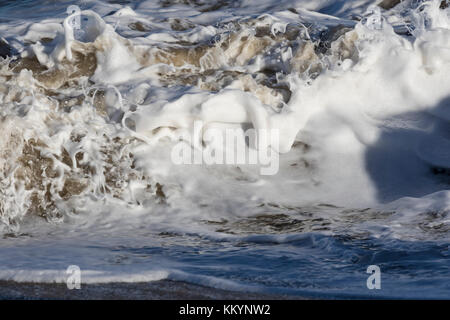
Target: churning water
92,103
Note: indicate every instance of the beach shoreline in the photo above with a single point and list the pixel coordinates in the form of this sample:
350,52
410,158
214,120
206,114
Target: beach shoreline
157,290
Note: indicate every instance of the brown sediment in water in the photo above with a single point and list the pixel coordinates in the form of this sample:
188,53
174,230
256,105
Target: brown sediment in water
178,24
236,49
48,177
389,4
345,48
306,59
139,26
51,176
36,170
202,6
205,64
202,65
84,64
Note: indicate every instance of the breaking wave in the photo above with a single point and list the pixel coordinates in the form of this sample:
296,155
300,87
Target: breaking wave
93,102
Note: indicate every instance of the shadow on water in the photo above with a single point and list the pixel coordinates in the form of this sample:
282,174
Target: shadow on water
412,157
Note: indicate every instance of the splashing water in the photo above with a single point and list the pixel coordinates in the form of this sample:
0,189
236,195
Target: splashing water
93,103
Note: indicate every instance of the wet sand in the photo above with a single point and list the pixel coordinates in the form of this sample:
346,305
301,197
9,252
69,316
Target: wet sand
164,289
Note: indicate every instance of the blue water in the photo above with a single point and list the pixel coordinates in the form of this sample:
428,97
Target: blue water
298,264
316,265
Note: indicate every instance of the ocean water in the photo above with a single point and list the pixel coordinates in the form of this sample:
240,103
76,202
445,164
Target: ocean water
94,99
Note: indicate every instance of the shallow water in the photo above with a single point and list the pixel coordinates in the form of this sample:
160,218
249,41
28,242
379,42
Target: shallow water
90,115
